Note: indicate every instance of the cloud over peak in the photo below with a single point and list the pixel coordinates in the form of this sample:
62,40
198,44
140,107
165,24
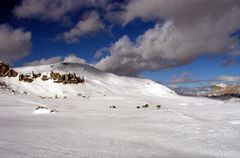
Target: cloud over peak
72,58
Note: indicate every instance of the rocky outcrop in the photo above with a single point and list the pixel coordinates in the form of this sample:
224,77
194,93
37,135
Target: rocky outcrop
25,78
36,75
11,73
225,93
228,90
3,69
66,78
6,71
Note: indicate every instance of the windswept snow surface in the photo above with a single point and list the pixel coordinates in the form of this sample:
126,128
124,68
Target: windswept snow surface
87,127
184,127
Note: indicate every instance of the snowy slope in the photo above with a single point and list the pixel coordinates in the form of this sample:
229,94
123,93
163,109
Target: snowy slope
97,83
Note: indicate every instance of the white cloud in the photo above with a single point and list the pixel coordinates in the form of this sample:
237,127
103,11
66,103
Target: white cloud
44,61
14,43
228,78
190,28
52,9
52,60
88,26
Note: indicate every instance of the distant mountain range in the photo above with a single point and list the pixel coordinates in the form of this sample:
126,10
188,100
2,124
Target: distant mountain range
218,91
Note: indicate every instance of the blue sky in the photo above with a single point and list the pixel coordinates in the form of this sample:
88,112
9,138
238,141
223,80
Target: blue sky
186,44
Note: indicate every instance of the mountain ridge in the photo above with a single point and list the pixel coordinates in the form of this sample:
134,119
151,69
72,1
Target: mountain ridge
97,82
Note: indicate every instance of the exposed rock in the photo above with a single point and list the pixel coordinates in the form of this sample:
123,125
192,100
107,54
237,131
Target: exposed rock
25,78
7,88
6,71
42,97
114,107
11,73
138,107
53,110
225,92
55,76
66,78
3,69
228,90
158,107
145,106
41,109
45,78
35,75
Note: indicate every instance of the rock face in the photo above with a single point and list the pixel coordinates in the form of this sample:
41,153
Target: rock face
3,69
66,78
6,71
69,78
11,73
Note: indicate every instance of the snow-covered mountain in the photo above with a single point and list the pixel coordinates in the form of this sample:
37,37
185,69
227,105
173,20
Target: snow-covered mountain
97,83
221,85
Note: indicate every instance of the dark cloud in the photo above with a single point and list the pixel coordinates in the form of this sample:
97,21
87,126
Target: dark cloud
14,43
190,29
